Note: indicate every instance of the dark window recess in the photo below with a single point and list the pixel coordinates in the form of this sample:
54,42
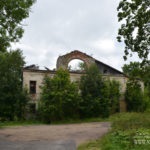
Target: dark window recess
32,87
105,71
32,108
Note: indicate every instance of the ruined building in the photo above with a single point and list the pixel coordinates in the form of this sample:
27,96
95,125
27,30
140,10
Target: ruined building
33,76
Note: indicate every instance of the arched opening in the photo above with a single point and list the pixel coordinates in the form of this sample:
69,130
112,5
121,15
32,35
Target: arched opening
62,61
76,65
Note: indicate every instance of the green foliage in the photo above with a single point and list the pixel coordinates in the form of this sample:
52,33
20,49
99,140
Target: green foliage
125,140
134,96
134,71
90,86
19,123
12,13
60,98
114,95
135,27
63,100
82,66
147,98
130,120
99,97
12,98
126,129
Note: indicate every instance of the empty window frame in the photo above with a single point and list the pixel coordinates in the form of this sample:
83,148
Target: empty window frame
32,87
105,71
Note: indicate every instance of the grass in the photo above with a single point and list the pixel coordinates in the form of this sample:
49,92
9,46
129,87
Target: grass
87,120
18,123
127,129
34,122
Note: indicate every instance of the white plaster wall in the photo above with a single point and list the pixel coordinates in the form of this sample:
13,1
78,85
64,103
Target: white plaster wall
38,77
34,76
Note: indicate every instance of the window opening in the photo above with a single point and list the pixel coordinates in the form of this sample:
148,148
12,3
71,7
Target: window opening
32,87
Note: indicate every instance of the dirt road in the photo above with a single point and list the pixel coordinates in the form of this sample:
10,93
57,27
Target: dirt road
79,133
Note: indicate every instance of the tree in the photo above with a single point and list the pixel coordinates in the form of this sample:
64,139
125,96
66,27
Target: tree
114,95
134,96
134,70
60,98
100,97
12,13
90,85
135,27
12,98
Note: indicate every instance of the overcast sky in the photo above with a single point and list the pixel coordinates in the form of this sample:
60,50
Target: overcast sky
56,27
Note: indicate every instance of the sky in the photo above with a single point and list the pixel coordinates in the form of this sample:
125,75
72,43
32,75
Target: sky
57,27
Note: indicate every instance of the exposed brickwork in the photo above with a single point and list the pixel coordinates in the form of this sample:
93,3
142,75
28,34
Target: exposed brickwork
63,61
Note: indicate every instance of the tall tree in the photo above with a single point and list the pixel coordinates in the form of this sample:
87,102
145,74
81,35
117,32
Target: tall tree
134,70
135,27
60,98
94,94
12,97
99,97
134,96
12,13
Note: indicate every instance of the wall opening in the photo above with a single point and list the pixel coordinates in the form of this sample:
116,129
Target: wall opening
76,65
32,87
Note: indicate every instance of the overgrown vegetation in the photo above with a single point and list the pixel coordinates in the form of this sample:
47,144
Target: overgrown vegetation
129,131
137,99
62,99
13,98
134,96
99,97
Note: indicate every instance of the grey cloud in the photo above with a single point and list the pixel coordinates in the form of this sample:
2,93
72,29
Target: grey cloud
56,27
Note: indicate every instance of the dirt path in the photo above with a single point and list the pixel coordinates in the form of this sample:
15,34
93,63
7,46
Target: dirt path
78,133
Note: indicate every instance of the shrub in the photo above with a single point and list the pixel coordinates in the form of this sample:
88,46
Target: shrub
60,98
134,96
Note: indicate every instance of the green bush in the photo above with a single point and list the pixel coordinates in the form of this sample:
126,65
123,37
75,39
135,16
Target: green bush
59,98
147,99
134,96
62,99
13,98
128,129
99,97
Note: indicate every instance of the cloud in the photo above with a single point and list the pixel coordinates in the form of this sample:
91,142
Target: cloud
56,27
107,46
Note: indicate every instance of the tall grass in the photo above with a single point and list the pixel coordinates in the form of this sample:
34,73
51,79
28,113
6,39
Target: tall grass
126,127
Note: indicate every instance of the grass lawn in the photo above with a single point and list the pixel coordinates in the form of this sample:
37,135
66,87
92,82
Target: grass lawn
130,131
18,123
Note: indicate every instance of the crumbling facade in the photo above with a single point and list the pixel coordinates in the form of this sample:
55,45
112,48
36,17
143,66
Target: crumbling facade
33,76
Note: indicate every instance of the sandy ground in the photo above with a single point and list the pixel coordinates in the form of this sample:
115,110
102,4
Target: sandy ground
79,133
